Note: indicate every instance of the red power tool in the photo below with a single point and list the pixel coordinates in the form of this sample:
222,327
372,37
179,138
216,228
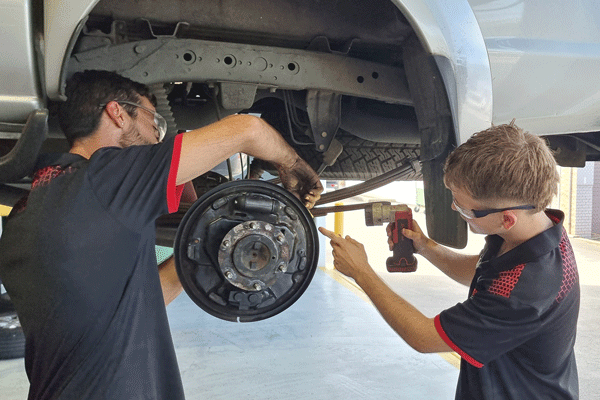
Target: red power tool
403,259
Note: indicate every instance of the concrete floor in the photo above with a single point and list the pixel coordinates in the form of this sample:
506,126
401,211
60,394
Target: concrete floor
332,343
329,345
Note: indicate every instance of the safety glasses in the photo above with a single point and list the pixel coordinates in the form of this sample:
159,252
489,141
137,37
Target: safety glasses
159,121
471,214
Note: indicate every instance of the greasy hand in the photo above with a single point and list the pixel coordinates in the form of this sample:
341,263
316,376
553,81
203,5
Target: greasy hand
302,181
349,256
420,241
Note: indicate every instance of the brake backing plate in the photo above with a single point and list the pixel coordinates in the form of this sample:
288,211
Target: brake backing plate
246,250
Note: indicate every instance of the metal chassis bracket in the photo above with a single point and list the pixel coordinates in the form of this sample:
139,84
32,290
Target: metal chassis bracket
169,59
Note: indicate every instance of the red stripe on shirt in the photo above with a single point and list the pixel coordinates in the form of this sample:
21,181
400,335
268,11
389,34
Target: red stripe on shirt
445,338
506,282
174,191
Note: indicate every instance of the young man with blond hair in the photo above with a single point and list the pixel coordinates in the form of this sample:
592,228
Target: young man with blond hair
516,331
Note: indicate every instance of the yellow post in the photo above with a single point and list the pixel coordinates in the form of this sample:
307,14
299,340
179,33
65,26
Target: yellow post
338,226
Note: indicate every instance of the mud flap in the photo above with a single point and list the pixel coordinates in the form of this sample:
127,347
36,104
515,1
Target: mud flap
437,141
20,161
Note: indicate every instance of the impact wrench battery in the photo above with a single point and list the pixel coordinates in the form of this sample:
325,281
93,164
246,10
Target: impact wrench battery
403,259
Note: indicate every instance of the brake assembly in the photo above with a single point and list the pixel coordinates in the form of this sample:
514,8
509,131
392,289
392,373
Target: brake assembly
246,250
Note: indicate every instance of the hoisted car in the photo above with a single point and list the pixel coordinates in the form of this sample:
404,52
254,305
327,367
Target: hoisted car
377,91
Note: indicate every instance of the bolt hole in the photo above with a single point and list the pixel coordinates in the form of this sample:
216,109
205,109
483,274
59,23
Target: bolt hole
291,66
189,57
228,60
375,75
360,79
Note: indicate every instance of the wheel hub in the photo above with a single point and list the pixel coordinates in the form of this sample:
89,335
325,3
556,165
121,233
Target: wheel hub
252,254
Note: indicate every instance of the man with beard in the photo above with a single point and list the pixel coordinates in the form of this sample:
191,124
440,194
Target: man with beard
78,254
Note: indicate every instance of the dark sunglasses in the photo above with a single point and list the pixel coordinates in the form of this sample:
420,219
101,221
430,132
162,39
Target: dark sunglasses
471,214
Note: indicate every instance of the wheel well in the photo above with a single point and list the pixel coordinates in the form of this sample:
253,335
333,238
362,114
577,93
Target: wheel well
349,59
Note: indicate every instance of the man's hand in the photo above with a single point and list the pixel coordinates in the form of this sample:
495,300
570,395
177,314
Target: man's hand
460,267
420,242
349,256
300,179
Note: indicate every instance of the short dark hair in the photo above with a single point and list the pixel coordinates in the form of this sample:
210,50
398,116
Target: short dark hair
80,114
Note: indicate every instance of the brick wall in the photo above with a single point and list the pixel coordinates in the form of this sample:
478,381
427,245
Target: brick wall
579,198
596,202
585,201
567,199
583,219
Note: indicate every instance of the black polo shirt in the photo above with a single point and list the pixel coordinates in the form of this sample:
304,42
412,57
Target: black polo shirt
78,259
516,331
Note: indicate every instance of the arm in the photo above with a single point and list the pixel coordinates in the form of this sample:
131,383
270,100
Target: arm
204,148
169,281
415,328
167,272
459,267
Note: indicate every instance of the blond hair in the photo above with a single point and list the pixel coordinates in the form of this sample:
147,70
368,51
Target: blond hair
504,163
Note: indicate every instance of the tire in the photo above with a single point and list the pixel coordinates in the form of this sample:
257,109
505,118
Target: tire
362,159
5,304
12,339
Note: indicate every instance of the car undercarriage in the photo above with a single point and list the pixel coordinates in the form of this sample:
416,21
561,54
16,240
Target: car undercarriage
363,91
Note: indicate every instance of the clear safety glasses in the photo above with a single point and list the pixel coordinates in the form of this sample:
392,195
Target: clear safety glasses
159,121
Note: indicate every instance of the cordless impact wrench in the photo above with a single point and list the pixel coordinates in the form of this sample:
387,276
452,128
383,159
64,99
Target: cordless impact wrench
403,259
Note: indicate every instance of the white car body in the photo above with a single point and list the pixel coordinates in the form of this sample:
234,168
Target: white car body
536,62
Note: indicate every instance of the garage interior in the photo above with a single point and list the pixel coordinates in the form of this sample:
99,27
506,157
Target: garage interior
332,343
